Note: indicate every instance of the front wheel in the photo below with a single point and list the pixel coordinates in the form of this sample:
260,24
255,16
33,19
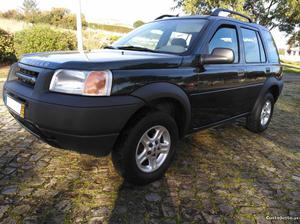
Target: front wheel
147,148
260,118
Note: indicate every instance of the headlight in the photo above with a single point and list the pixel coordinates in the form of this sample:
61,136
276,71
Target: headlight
89,83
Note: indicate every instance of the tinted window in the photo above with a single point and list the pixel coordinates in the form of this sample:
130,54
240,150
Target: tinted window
261,49
178,35
174,36
272,50
225,37
251,45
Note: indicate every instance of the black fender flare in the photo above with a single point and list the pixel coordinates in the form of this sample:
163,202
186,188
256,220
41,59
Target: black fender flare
269,83
161,90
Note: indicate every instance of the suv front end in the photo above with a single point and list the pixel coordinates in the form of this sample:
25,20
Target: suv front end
68,108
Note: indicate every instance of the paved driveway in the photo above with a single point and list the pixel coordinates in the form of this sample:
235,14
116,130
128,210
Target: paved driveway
221,175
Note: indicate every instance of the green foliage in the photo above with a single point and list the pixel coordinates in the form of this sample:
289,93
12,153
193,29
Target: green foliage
12,14
288,69
206,6
7,52
138,23
111,28
284,14
59,17
294,40
40,39
281,51
113,39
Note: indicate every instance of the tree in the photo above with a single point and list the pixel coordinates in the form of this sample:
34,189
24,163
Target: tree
30,9
30,6
62,17
294,40
284,14
138,23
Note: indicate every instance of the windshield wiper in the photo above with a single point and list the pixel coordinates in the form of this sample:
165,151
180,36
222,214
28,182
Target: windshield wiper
110,47
135,48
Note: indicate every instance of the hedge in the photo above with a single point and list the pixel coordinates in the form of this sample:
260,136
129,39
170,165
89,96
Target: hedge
41,39
7,52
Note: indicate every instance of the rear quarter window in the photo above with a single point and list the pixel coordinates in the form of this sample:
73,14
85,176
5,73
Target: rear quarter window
271,47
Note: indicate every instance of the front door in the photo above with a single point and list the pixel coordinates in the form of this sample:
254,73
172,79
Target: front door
220,87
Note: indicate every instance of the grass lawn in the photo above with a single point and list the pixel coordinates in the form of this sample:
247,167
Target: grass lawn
291,63
3,72
291,70
291,67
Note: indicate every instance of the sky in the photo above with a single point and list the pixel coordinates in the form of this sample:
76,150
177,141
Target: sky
118,11
126,12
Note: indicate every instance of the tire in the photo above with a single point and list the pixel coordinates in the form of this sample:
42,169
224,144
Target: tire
256,122
130,147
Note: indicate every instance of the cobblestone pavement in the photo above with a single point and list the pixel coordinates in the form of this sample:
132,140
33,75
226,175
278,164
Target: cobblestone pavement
221,175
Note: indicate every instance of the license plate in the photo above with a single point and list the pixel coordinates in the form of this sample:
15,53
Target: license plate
15,106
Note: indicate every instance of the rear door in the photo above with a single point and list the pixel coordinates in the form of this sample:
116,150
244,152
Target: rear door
256,64
220,94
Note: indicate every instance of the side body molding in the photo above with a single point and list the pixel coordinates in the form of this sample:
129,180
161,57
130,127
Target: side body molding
162,90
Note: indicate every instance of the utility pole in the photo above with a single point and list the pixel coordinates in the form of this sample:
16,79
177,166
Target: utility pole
79,28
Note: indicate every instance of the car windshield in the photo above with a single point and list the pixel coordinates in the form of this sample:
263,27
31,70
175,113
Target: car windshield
170,36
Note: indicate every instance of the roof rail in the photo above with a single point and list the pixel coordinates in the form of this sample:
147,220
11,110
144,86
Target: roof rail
216,12
163,16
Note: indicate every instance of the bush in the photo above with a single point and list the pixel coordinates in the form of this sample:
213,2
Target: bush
59,17
7,52
138,23
41,39
12,14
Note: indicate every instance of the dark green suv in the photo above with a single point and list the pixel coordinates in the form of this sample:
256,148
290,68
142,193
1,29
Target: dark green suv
164,80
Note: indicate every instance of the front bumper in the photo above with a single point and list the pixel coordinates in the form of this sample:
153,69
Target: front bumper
85,124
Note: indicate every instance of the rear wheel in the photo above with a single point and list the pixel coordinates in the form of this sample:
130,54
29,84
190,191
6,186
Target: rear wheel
147,148
260,118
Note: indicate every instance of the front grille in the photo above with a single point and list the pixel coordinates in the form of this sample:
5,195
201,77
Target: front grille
26,76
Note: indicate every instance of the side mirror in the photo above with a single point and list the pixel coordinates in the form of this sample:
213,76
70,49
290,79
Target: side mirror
218,56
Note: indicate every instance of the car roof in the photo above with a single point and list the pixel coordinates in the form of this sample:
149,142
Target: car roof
216,18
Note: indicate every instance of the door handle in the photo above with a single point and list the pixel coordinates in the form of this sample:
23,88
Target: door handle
268,70
241,73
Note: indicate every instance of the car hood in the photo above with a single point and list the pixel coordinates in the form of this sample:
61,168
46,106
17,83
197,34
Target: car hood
101,60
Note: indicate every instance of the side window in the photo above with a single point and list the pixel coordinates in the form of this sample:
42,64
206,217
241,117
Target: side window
225,37
272,50
251,45
261,49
